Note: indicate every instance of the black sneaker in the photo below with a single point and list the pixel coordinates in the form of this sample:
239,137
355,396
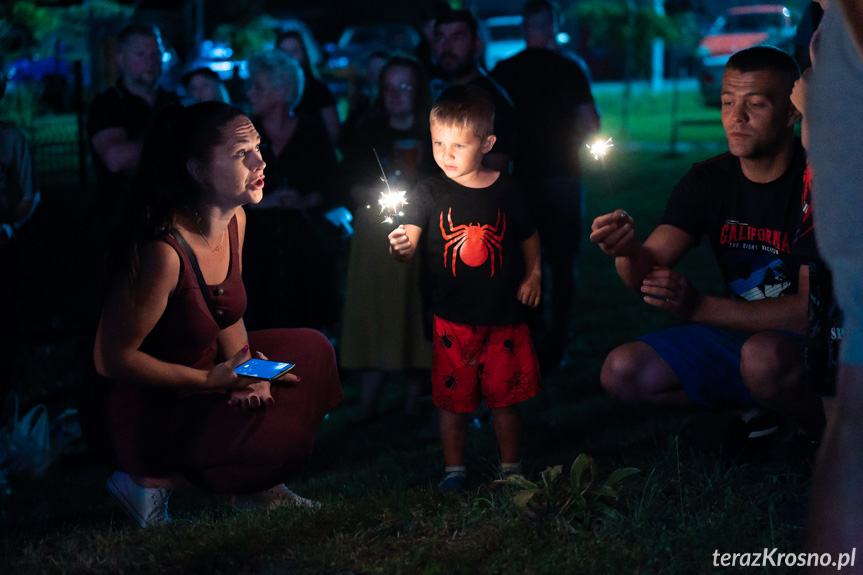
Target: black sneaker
760,423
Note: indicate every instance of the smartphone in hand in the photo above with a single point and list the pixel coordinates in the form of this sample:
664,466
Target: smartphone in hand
263,369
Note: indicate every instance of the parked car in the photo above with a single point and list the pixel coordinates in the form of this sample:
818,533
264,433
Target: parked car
357,42
735,29
503,38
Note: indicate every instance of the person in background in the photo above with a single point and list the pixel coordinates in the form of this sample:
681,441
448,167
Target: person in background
457,49
118,119
429,12
363,92
204,85
484,258
19,196
166,407
383,327
317,99
835,523
292,248
743,352
556,114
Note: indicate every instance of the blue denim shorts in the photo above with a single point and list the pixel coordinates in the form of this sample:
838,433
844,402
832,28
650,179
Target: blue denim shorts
706,361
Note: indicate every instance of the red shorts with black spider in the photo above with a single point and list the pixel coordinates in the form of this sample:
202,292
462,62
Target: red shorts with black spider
497,364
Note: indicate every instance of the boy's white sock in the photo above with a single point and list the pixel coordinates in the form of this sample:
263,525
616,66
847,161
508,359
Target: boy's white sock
510,469
455,470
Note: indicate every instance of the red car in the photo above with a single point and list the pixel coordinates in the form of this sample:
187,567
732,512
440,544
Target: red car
738,28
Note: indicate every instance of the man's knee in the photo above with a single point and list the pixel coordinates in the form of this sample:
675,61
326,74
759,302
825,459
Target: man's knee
626,372
772,365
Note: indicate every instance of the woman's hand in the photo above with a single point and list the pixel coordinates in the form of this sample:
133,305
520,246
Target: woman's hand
257,394
223,376
254,396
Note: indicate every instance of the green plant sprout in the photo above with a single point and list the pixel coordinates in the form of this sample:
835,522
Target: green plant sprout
579,496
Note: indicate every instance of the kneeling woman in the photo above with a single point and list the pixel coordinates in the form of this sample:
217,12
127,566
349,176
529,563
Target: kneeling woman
167,408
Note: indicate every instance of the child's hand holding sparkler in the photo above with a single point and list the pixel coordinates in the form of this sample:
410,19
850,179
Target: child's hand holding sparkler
401,246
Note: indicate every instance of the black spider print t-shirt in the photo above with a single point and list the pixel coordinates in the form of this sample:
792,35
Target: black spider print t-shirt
751,227
472,239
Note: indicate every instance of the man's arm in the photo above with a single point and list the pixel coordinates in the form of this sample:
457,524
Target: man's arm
614,233
665,246
786,313
586,121
118,152
671,291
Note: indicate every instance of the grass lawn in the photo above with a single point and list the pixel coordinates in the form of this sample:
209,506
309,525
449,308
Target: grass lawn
381,512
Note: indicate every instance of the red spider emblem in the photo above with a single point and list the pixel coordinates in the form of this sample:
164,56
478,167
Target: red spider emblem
472,242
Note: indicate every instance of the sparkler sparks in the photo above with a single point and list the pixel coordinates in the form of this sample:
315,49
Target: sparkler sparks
391,205
391,202
600,148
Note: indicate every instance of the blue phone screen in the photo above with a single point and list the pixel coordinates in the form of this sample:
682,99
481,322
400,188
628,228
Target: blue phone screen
263,369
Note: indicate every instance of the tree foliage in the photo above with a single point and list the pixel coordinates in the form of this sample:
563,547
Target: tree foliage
625,27
31,29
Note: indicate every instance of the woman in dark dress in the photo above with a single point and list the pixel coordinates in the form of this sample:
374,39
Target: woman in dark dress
167,408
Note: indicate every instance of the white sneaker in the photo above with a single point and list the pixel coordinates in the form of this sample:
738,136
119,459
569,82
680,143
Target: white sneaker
146,505
274,497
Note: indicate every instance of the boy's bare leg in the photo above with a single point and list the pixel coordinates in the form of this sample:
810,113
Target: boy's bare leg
507,429
453,429
835,522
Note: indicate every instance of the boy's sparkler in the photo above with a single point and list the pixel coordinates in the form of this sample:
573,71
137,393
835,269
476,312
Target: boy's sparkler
391,202
599,149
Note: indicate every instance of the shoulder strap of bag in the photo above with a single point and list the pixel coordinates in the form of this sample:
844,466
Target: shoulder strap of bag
194,261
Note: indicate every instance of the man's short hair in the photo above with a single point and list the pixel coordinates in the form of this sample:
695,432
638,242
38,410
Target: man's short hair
766,58
465,107
537,7
465,16
137,30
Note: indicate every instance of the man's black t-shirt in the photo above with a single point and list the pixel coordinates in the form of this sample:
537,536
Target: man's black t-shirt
751,227
546,88
473,242
117,107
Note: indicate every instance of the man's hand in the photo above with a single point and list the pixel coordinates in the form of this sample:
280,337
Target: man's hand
614,233
669,290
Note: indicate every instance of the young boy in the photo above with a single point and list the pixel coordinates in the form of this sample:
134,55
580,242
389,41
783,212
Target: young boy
484,259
